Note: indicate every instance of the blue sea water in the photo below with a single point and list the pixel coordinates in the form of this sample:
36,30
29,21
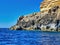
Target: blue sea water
24,37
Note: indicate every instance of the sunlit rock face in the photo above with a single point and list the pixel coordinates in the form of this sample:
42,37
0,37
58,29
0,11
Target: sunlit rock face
48,4
48,19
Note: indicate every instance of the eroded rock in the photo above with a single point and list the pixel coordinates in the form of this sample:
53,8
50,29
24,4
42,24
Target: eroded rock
45,20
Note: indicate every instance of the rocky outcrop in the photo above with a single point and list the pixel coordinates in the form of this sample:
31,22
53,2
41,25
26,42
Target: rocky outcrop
48,19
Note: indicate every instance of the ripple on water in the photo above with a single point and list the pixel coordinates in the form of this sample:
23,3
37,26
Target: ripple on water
10,37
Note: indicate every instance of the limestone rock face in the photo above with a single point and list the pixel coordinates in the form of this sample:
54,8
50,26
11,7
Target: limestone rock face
48,19
48,4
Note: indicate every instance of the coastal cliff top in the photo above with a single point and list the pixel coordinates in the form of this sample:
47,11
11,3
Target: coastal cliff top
48,4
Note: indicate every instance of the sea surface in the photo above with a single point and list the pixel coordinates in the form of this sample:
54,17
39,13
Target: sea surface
24,37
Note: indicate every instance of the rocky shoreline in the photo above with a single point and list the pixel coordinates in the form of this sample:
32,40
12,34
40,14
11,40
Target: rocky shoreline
45,20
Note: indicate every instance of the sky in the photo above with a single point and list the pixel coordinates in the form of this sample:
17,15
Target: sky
10,10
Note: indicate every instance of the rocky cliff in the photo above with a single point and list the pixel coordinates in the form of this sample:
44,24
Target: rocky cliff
48,19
